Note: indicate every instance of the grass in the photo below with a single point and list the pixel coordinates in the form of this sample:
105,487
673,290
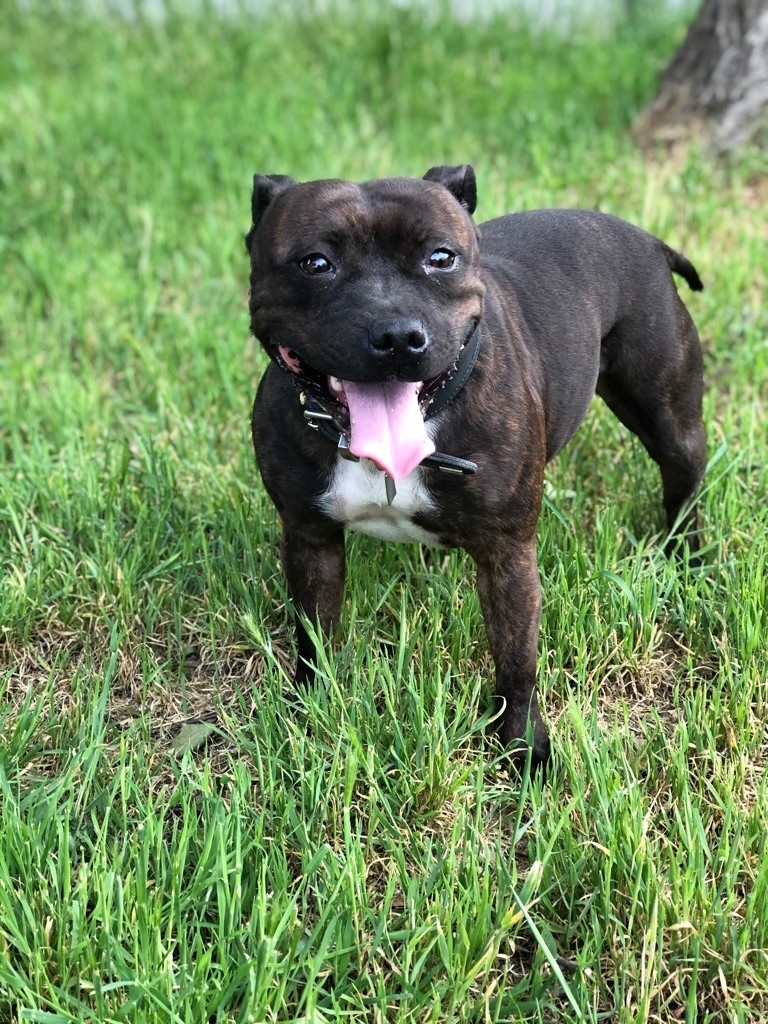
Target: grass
380,865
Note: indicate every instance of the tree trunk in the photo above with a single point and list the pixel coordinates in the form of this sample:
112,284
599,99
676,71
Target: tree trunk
718,78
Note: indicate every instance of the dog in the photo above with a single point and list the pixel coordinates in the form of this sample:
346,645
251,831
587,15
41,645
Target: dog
423,371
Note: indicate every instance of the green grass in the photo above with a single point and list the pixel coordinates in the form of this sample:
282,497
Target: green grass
379,865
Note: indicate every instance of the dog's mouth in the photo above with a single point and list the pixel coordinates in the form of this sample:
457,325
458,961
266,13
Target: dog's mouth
332,391
384,421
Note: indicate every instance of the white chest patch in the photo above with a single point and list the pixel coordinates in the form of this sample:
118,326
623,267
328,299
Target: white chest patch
357,498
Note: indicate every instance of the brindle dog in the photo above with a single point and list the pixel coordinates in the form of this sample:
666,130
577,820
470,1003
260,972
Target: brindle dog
397,326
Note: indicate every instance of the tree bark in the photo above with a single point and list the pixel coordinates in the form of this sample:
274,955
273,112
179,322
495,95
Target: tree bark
717,79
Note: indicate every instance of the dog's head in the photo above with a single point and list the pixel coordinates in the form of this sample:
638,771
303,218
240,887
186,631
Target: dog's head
355,285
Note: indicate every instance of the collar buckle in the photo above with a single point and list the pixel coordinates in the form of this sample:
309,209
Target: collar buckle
312,416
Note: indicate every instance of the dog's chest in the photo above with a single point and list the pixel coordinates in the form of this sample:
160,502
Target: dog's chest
357,498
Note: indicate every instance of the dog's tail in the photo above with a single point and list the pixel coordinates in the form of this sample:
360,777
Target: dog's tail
678,264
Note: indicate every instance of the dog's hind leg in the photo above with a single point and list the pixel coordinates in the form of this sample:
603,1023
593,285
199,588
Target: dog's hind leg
652,380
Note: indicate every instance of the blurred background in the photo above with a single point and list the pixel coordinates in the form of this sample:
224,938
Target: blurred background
130,132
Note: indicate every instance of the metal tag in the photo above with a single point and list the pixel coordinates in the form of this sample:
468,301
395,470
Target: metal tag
343,449
391,489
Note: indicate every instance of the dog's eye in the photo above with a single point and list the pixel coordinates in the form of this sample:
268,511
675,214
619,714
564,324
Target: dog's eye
442,259
315,263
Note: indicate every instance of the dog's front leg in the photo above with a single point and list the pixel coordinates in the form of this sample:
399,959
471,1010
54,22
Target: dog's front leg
313,559
510,595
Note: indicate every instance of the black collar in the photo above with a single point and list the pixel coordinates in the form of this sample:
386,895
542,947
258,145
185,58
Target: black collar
442,392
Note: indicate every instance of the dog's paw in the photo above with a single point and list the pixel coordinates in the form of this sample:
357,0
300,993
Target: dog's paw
527,741
538,756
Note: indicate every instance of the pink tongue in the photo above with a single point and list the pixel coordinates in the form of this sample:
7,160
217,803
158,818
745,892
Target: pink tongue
387,426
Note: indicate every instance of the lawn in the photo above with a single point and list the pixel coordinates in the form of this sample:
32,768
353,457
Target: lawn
370,859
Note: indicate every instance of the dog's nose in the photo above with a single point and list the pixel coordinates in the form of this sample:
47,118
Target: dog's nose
399,337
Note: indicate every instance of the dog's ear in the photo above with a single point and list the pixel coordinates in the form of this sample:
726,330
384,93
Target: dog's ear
265,188
460,182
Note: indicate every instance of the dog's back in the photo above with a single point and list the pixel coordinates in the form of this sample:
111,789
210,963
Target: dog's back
595,296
